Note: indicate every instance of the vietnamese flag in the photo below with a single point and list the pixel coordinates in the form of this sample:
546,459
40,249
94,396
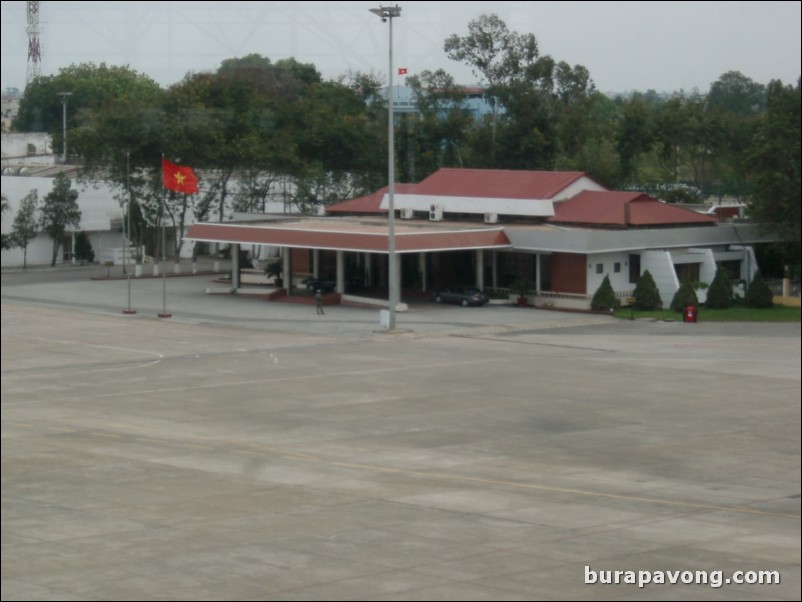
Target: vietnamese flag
178,178
402,71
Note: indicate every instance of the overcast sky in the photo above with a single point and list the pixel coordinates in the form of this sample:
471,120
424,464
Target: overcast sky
665,46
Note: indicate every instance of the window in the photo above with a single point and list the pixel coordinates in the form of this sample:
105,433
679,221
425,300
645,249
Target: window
687,272
600,268
733,267
634,269
617,267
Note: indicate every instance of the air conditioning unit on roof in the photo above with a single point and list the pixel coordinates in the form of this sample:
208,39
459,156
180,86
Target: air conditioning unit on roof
407,213
491,218
436,213
319,210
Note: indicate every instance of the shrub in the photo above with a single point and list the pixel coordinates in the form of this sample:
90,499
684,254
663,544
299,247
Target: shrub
759,294
522,286
686,295
647,297
719,295
83,248
604,299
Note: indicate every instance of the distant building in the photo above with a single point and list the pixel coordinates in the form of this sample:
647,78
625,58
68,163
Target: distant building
475,102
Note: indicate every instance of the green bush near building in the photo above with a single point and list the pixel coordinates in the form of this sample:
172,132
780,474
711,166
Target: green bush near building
604,299
647,297
758,295
686,295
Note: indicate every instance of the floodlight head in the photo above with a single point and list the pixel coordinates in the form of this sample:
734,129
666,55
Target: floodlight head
386,12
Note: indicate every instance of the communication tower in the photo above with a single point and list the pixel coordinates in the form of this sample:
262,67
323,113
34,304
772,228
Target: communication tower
34,49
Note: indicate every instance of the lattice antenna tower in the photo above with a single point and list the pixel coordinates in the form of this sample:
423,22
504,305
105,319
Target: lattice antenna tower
34,49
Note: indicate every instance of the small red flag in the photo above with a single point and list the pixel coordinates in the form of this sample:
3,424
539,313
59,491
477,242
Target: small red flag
178,178
402,71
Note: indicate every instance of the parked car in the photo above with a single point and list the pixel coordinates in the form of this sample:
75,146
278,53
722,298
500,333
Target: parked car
462,295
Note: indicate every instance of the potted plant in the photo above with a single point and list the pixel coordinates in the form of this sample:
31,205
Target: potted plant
274,270
522,286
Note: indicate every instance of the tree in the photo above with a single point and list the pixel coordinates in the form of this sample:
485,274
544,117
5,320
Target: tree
433,138
635,135
92,87
25,226
647,296
503,58
685,295
719,295
604,298
737,94
777,152
59,211
6,240
83,248
759,294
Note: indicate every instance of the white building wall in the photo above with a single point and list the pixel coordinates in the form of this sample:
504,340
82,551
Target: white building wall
749,267
661,267
619,280
98,208
35,147
707,271
583,183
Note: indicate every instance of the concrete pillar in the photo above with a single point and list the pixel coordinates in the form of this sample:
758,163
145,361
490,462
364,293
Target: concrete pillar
316,263
480,269
341,272
423,273
286,269
235,267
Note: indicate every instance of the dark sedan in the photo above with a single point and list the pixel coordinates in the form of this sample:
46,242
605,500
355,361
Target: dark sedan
462,295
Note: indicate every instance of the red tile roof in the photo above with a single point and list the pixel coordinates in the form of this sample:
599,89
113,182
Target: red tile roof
478,183
497,183
368,203
612,208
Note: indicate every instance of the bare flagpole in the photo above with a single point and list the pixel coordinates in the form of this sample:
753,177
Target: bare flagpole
164,313
126,238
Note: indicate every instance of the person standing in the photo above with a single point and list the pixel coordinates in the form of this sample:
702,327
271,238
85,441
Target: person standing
319,302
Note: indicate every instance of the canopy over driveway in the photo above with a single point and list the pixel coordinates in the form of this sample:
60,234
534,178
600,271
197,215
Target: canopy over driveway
359,235
355,235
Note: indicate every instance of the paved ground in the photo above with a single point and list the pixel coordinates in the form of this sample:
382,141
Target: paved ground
248,450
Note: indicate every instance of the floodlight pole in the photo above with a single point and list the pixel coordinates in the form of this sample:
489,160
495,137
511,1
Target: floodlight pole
387,13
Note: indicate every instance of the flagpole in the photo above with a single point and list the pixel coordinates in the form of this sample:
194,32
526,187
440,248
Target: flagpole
126,238
164,313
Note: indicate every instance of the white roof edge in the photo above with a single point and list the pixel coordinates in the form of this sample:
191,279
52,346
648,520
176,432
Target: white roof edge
477,205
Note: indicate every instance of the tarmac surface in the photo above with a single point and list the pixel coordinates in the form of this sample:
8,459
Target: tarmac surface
246,450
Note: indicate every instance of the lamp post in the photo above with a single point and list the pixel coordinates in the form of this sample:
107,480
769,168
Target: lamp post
387,13
64,97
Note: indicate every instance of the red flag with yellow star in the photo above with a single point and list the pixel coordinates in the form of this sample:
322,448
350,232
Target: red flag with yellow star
178,178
